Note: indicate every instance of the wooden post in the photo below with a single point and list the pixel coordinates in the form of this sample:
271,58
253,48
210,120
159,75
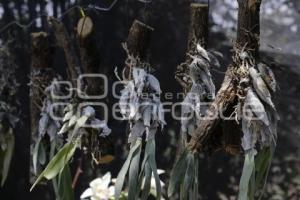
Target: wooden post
248,34
198,34
41,74
137,44
198,30
249,26
138,39
89,53
64,41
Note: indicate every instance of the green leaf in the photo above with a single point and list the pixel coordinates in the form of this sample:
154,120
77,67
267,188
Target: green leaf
8,154
152,163
196,185
79,124
65,184
35,155
42,154
133,174
263,163
248,169
177,174
121,176
189,176
147,182
57,163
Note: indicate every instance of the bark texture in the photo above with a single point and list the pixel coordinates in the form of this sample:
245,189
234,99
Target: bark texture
89,54
247,39
198,30
198,34
63,40
138,39
41,74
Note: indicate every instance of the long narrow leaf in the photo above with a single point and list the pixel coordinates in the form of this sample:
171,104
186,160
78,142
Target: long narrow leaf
121,176
8,154
152,163
263,162
57,163
65,184
147,182
246,175
133,174
177,174
189,176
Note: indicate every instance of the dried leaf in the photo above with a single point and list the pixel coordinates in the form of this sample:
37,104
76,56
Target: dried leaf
256,106
260,87
268,76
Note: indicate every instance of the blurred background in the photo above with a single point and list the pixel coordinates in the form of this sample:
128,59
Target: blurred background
220,173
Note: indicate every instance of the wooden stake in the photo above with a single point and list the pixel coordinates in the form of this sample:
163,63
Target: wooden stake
138,39
41,74
64,41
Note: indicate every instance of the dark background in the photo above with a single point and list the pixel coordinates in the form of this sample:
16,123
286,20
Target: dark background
219,174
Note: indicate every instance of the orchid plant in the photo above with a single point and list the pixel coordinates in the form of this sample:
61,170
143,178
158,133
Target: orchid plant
259,124
78,121
103,188
140,104
201,92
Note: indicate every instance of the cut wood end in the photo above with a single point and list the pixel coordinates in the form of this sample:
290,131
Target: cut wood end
199,5
84,26
39,34
139,23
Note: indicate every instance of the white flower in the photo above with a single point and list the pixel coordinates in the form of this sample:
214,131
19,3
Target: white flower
100,189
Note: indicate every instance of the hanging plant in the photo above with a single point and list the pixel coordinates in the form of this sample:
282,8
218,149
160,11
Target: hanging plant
9,115
259,124
202,91
78,122
140,104
48,125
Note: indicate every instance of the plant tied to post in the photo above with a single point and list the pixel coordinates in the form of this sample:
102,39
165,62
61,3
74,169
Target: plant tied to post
9,114
79,122
140,104
255,92
247,93
200,91
77,125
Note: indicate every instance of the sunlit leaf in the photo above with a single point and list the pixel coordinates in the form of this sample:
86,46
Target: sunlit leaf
58,162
